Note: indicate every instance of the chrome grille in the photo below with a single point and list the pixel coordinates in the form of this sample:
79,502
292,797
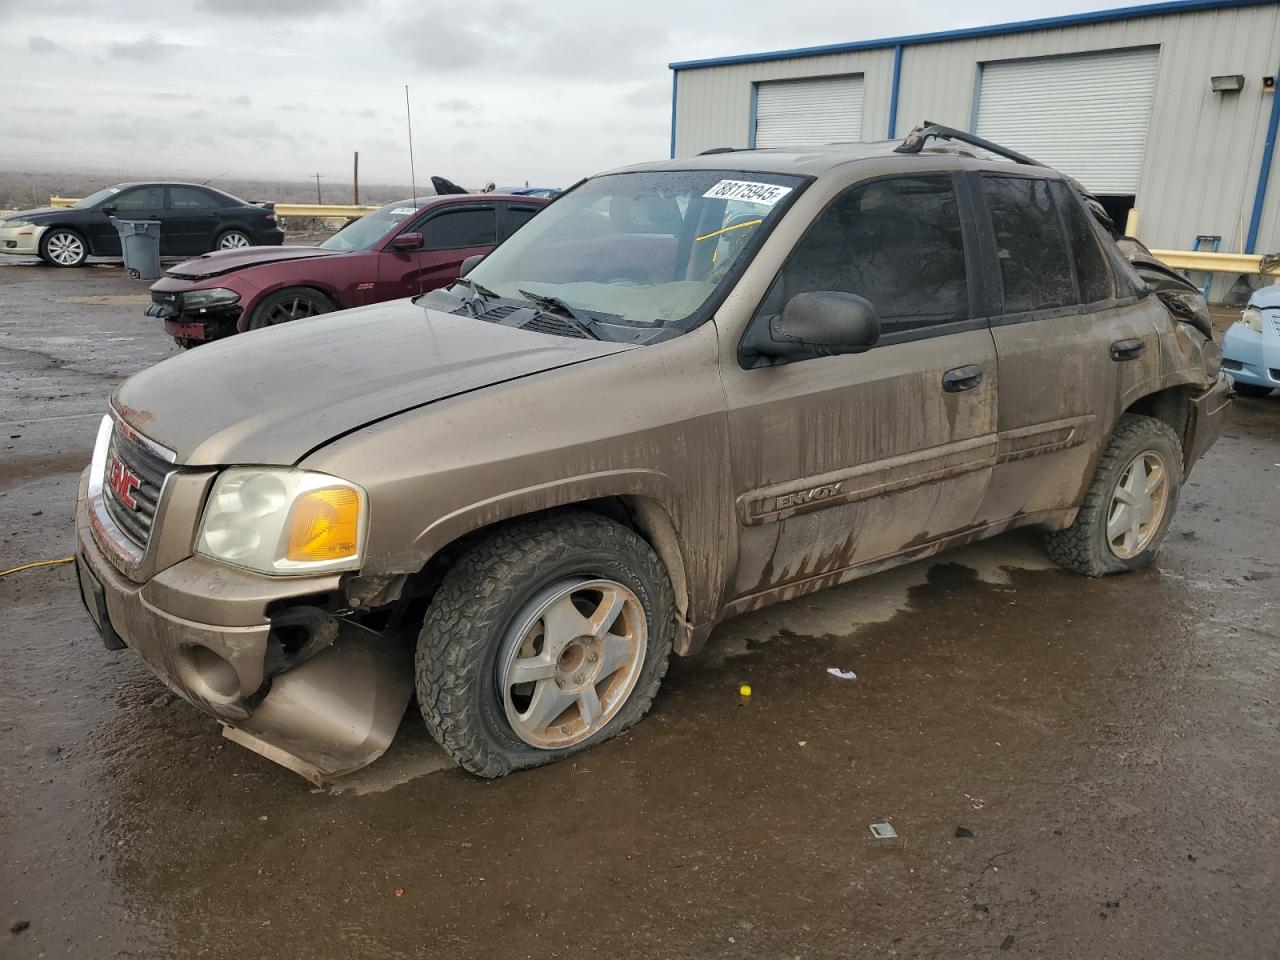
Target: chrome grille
1275,321
137,473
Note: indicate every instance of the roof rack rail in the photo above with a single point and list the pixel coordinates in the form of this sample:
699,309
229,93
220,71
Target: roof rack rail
915,140
711,150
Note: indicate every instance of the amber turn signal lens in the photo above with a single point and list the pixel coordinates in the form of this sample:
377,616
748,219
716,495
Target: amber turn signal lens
325,525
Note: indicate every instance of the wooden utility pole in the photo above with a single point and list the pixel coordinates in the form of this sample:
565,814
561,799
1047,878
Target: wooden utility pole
318,176
355,179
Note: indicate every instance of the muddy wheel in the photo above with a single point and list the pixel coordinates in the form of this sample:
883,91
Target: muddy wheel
1129,505
294,303
64,247
545,638
1252,390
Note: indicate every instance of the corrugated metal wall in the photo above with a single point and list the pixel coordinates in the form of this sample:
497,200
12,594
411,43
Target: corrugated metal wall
1203,148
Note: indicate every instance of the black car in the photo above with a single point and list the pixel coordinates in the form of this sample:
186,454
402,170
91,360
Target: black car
195,219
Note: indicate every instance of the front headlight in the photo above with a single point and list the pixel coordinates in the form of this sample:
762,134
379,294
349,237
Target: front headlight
1252,318
213,297
277,520
16,224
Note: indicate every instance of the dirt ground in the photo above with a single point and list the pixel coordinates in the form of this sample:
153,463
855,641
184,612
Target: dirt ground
1109,745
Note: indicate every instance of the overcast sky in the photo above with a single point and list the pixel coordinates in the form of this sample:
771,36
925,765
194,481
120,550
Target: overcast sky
501,90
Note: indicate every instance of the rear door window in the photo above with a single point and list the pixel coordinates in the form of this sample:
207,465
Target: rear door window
1035,262
470,227
1092,275
897,242
517,217
191,198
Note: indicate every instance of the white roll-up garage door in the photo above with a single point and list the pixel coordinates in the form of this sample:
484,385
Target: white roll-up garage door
1085,114
809,111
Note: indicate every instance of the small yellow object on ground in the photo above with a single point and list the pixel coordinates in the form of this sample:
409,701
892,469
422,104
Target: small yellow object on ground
745,690
38,563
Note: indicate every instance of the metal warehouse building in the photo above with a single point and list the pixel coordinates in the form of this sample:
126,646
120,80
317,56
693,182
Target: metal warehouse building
1169,108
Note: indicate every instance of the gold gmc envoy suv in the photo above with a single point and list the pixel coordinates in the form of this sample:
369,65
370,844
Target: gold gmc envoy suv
684,390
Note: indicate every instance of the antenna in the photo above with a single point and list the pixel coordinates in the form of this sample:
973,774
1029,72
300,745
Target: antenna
413,178
205,183
408,115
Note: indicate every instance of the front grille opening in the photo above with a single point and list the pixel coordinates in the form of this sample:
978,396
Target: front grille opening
134,481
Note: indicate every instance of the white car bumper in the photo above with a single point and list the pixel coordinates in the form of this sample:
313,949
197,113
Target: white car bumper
23,240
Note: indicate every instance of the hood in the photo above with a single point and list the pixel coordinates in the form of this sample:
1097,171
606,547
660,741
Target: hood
225,261
1266,298
271,396
30,214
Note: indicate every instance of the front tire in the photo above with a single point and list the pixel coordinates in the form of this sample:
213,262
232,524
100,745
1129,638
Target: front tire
295,303
547,637
64,247
1129,505
1251,390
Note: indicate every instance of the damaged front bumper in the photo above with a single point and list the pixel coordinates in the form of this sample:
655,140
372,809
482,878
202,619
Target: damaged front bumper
318,694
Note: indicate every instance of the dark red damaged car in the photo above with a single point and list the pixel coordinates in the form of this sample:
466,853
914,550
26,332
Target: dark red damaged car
400,250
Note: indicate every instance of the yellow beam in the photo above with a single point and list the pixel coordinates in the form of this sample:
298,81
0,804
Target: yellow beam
1212,262
337,211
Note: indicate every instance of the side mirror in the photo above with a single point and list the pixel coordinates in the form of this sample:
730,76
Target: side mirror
109,209
469,264
823,323
407,241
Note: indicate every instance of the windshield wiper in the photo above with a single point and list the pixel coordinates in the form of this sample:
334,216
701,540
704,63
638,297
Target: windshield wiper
479,295
581,320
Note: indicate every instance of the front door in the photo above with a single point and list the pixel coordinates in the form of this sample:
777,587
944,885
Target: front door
1073,339
450,234
840,462
135,203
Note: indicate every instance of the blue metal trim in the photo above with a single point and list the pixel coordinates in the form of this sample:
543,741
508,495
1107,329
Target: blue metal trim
969,33
1264,170
751,122
674,75
893,91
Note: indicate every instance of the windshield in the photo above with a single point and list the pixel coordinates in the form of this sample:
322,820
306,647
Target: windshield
93,199
364,233
648,247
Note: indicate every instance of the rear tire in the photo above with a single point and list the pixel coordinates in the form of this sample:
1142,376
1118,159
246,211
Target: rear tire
1252,390
294,303
485,629
1129,505
233,240
64,247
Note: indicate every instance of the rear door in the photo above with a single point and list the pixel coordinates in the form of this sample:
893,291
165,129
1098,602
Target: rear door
190,216
135,203
839,462
1075,344
450,234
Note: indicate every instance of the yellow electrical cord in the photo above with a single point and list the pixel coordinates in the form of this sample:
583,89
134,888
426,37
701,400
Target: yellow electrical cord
38,563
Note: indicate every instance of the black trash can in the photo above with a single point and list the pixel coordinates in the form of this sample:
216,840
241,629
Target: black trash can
140,241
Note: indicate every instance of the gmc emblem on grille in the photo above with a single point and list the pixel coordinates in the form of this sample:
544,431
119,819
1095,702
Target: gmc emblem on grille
123,481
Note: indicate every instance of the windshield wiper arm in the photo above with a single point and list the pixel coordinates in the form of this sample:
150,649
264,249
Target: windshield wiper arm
581,320
478,293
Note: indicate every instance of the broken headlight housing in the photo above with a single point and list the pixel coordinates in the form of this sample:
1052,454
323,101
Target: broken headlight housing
277,520
1252,318
214,297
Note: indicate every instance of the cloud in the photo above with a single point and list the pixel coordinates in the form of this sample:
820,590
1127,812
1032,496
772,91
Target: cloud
241,101
166,95
649,95
458,105
258,10
198,115
42,45
46,111
149,48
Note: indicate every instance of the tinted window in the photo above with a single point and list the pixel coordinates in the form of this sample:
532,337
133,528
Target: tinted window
898,243
189,198
1034,262
1092,275
460,228
140,198
517,217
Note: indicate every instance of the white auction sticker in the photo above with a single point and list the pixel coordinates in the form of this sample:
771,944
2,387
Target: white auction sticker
765,194
401,211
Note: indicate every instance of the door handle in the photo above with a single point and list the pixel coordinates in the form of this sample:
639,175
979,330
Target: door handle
962,378
1127,349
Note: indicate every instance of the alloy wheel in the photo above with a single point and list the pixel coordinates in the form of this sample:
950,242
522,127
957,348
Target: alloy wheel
66,249
295,308
571,660
1138,505
233,241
